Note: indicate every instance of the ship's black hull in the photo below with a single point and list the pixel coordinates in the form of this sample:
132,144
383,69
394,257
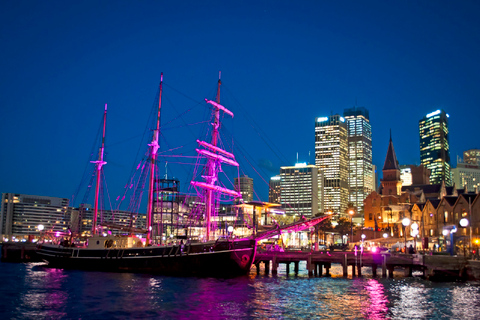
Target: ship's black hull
214,259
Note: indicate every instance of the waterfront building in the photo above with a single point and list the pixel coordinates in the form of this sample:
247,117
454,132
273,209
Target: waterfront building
300,190
467,172
274,190
244,185
434,146
331,157
360,167
21,214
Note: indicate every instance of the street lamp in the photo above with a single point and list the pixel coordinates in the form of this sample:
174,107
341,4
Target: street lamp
464,223
405,223
414,232
351,212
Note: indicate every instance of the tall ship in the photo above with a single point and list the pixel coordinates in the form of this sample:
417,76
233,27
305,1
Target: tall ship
214,255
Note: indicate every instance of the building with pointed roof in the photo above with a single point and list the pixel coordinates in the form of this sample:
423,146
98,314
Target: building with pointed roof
391,181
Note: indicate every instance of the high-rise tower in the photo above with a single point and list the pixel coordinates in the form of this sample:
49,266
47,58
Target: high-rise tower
331,150
300,190
244,185
434,146
274,190
360,167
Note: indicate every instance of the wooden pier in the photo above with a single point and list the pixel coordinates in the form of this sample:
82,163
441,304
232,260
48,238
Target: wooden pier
19,252
432,266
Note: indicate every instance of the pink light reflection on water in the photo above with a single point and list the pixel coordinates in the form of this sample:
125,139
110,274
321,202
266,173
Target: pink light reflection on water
45,298
377,308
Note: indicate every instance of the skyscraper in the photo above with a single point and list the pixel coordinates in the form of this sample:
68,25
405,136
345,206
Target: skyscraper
274,190
299,190
331,157
244,185
434,146
360,167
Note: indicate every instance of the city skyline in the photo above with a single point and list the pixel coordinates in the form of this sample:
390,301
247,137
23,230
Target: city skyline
283,65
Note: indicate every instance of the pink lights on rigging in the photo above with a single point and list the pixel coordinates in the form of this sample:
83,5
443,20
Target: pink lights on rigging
212,147
220,107
216,188
218,157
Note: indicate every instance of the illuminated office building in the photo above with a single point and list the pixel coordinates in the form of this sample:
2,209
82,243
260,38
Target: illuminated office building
472,156
467,172
244,185
274,190
406,175
300,190
360,167
331,157
434,147
21,214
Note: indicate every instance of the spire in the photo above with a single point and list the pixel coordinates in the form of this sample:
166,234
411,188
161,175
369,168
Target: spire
391,159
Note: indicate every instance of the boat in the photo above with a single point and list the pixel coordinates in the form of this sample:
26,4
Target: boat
213,257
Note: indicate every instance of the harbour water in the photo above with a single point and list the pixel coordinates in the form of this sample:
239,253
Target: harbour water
32,291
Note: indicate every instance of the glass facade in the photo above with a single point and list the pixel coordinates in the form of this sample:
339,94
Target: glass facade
360,167
244,185
331,157
299,190
274,190
434,147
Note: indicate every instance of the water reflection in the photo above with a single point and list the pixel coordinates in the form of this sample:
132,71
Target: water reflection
466,302
34,292
44,296
376,308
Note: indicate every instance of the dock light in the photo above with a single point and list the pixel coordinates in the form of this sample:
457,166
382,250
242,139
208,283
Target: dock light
363,237
230,229
40,227
464,222
385,235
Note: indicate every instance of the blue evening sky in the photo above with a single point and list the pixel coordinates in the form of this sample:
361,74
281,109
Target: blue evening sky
283,63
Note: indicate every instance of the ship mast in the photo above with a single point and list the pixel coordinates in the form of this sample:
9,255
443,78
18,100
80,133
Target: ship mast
215,156
154,146
99,164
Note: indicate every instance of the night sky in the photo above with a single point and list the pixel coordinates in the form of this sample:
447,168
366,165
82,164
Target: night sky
283,63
